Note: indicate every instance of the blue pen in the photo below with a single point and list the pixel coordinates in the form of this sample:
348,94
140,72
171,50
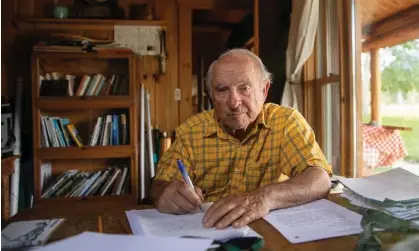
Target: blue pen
186,177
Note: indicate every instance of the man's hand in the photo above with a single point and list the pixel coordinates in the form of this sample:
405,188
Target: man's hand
236,210
179,198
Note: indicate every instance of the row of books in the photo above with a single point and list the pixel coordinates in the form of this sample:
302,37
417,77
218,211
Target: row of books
58,84
59,132
75,183
110,130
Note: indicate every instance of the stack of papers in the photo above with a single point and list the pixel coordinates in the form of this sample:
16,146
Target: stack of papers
316,220
395,192
152,223
25,234
89,241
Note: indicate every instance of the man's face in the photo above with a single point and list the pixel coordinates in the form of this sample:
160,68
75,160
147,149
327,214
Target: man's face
238,93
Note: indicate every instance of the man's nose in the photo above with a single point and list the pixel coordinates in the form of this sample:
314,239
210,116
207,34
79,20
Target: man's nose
234,100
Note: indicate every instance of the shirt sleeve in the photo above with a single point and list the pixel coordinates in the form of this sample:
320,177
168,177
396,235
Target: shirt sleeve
299,149
167,169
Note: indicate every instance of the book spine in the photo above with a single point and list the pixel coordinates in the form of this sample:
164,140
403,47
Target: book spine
96,183
95,136
92,179
110,182
100,86
74,135
84,84
107,130
45,141
115,131
63,122
121,181
58,132
51,132
124,129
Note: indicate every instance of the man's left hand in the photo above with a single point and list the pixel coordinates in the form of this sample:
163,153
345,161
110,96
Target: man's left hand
236,210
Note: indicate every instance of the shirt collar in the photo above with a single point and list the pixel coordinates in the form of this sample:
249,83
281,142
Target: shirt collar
213,125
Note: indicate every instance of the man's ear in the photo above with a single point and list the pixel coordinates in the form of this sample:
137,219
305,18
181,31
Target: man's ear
266,87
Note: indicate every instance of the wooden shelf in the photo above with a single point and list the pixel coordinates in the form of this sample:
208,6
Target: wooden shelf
81,24
70,103
96,152
84,54
82,113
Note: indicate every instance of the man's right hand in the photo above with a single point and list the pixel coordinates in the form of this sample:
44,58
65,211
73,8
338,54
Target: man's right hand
177,197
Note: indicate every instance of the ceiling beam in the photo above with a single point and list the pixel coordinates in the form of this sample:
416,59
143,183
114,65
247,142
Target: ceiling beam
217,4
396,29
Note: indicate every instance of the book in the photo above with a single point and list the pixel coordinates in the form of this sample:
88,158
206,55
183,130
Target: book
74,134
84,83
28,234
96,131
107,132
71,80
115,129
124,137
110,182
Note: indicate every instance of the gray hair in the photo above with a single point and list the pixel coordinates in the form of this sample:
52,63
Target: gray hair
266,75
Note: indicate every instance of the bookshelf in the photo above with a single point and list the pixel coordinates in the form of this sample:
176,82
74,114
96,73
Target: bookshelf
120,151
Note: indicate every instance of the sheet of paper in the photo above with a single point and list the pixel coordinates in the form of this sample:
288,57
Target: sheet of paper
144,40
396,184
28,233
89,241
151,222
316,220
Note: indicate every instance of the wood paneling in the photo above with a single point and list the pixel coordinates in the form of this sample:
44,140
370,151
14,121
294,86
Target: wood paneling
373,11
167,108
34,20
396,29
185,62
8,33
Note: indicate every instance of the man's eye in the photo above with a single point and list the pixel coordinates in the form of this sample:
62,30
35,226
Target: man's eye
221,89
244,88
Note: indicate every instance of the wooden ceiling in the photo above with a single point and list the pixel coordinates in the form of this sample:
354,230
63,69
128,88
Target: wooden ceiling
388,22
373,11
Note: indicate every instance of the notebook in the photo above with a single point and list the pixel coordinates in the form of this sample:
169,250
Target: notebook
23,234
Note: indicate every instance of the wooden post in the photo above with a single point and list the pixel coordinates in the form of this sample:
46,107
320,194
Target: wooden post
375,86
185,62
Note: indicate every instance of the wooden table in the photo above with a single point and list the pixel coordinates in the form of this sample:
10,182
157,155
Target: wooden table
79,219
7,169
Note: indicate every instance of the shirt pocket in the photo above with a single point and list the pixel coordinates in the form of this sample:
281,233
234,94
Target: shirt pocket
261,172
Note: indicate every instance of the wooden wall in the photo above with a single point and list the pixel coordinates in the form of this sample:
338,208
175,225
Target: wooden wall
18,45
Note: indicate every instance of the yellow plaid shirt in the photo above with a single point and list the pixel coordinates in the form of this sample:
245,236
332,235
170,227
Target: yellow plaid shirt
280,145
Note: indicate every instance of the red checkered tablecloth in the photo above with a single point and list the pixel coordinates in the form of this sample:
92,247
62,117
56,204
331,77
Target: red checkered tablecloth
382,147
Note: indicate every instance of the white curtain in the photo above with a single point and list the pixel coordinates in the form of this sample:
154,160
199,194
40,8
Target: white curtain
304,20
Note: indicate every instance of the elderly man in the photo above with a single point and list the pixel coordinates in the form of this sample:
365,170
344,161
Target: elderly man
246,156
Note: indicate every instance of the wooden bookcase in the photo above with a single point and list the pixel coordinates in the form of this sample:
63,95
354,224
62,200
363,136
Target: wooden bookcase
83,112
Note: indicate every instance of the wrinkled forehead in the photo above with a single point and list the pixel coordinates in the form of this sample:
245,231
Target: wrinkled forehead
235,68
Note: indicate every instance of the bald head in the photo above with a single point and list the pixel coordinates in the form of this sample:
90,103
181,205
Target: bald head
238,84
235,56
